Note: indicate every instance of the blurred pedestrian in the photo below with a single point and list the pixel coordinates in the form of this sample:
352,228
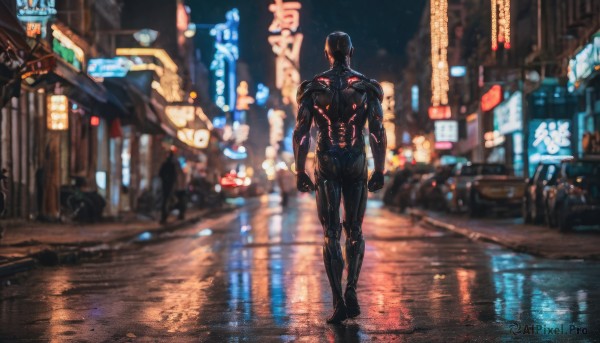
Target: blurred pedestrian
285,181
168,177
181,192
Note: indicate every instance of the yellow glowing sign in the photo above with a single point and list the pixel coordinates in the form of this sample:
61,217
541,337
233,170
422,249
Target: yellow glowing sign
194,138
58,113
170,83
388,104
422,152
180,115
159,54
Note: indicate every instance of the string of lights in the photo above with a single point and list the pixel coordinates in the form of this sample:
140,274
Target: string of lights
500,23
439,52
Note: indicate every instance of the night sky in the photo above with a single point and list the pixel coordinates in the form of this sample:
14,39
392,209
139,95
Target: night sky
379,29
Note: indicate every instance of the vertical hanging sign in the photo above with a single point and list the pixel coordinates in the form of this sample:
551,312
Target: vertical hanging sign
286,42
439,53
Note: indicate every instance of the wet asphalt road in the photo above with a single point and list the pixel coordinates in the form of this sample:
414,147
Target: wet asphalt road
256,275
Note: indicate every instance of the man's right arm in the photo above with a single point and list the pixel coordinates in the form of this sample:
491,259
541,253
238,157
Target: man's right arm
301,140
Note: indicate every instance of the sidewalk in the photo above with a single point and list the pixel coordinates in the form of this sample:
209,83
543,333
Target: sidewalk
25,244
511,233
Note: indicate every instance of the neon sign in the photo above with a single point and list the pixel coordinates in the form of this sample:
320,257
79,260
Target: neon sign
262,94
144,59
446,131
34,15
66,49
508,115
458,71
439,112
36,8
180,115
58,113
194,138
549,140
286,43
109,67
389,116
583,64
491,98
414,98
225,59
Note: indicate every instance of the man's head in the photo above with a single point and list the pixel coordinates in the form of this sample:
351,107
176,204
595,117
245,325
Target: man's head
338,48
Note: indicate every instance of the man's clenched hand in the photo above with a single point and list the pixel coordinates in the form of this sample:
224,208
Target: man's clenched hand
304,183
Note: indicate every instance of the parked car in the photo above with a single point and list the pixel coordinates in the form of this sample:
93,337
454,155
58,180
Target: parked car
495,192
456,188
399,194
533,209
429,193
575,199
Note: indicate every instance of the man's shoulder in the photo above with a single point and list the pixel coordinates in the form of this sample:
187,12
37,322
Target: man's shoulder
317,84
363,83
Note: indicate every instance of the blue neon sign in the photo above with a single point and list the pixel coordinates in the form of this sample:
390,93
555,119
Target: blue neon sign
109,67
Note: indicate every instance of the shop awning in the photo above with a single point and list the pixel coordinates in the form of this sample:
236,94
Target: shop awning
11,32
82,81
139,112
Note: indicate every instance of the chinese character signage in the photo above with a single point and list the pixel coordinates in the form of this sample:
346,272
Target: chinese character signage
549,140
286,43
58,113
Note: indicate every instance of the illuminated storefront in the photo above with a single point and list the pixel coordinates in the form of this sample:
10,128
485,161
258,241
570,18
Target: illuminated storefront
584,81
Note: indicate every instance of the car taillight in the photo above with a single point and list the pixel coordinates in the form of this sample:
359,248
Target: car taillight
433,184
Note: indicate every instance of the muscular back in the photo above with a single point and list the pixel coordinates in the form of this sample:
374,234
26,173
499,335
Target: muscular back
339,102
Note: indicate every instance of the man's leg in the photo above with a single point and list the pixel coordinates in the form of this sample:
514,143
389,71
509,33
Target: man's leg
328,206
164,204
355,199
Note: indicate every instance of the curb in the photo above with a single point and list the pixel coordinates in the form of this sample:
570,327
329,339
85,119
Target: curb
69,253
474,236
17,266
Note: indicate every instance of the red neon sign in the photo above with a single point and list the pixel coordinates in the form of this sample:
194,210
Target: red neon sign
439,112
491,98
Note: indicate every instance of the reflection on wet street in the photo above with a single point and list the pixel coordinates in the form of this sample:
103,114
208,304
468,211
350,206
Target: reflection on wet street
257,275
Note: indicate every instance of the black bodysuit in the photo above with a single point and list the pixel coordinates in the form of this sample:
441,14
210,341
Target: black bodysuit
341,102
